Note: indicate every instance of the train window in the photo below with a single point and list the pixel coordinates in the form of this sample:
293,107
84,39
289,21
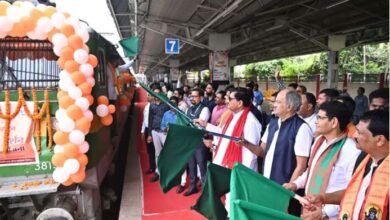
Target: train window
101,69
27,63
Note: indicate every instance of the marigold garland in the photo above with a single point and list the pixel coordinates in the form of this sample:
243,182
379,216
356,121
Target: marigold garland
36,116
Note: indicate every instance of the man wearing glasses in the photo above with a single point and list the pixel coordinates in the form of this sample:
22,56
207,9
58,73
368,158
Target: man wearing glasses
332,159
197,111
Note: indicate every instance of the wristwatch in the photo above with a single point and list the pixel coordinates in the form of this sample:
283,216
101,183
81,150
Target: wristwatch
324,215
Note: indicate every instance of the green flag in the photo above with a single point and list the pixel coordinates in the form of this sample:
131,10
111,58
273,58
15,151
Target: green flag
243,210
179,146
130,46
182,119
248,185
216,185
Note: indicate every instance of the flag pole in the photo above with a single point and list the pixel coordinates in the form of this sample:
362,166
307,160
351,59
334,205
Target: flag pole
301,199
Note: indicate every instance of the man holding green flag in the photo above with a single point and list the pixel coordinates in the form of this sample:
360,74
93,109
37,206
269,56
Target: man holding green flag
332,158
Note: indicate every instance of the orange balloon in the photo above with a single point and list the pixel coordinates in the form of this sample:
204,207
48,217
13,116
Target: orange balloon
93,60
75,42
35,15
83,159
67,30
90,99
78,77
83,124
61,63
103,100
71,150
27,24
49,11
58,159
68,182
86,88
61,93
3,7
65,102
71,66
111,109
60,137
66,53
107,120
79,176
74,112
17,30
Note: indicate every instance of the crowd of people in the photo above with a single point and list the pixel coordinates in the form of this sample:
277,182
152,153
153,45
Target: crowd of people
332,149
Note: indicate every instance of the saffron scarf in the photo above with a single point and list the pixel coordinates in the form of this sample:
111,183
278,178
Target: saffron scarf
233,152
324,165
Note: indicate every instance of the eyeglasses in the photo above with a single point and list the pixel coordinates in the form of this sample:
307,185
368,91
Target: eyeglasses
319,117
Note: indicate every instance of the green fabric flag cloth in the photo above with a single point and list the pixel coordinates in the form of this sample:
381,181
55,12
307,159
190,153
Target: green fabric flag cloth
216,185
182,119
243,210
179,146
248,185
130,46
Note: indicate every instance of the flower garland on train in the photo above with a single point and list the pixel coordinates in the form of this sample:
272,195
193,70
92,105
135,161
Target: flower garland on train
69,37
37,116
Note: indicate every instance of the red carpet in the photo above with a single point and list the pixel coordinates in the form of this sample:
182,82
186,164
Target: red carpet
156,204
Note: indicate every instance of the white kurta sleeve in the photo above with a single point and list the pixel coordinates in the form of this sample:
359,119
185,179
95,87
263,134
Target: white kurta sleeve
205,114
301,180
303,141
252,133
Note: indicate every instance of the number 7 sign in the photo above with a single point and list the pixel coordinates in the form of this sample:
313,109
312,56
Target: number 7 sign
172,46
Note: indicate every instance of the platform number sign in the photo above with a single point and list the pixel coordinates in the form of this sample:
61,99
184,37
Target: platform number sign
172,46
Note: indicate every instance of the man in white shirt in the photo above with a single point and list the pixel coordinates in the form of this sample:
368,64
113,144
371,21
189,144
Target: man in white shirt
307,110
333,157
145,130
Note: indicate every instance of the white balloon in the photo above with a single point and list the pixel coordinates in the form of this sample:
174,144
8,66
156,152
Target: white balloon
86,48
60,113
60,175
3,35
58,149
74,22
57,51
66,84
86,69
60,40
64,75
66,125
41,7
80,56
83,103
91,81
83,33
6,24
83,148
44,25
76,137
14,13
71,166
102,110
89,115
40,35
58,19
75,92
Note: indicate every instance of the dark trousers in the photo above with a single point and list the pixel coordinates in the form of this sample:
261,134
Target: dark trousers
199,158
151,151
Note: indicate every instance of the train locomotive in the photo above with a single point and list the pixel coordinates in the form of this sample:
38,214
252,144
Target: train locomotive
30,97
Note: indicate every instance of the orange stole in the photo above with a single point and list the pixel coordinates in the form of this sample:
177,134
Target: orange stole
377,196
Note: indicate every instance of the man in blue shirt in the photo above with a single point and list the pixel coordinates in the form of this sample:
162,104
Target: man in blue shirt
169,116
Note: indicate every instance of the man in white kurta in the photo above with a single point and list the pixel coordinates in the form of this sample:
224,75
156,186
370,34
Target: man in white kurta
238,101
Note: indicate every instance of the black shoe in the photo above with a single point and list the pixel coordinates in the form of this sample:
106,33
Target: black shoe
150,171
190,192
179,189
154,178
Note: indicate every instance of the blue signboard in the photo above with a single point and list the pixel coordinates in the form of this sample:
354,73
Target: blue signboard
172,46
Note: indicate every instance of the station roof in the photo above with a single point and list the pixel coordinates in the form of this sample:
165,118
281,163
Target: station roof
260,29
